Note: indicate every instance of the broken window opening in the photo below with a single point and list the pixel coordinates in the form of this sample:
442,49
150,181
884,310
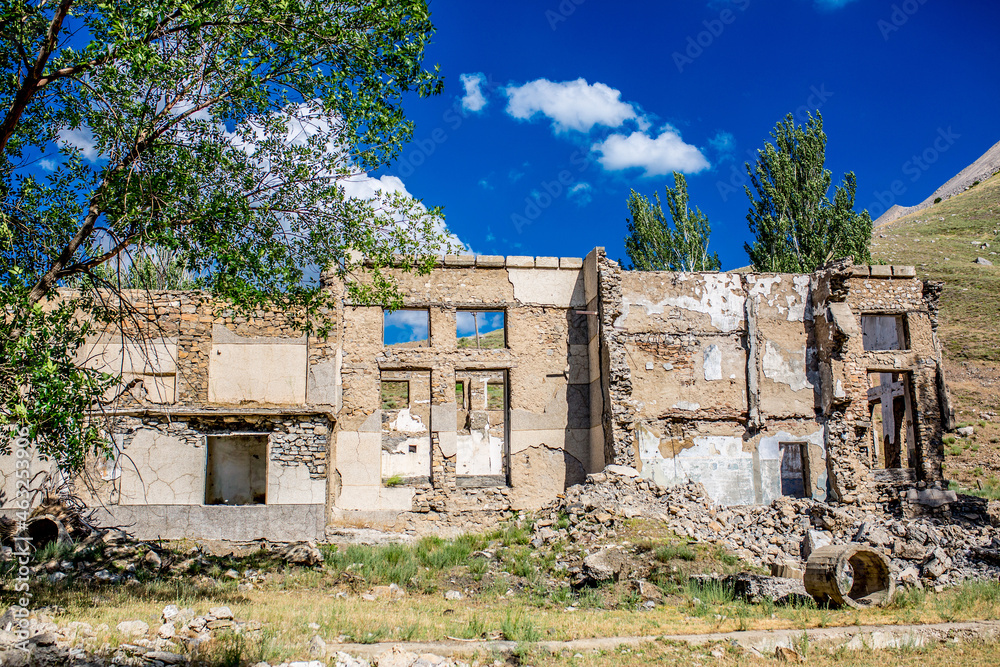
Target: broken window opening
481,329
883,332
494,396
794,469
460,395
482,429
236,470
891,409
406,328
406,437
395,394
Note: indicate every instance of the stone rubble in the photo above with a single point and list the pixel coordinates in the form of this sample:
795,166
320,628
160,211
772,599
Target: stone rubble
73,644
943,545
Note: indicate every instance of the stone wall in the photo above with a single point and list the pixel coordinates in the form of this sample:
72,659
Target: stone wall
754,385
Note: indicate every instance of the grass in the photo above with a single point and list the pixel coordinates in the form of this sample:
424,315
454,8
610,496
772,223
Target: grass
492,340
395,394
942,242
519,595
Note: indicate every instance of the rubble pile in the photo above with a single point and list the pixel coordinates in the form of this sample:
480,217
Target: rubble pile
932,548
37,638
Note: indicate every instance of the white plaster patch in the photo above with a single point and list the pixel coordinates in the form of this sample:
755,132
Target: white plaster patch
713,363
790,371
479,453
407,423
717,462
761,285
721,297
800,309
687,405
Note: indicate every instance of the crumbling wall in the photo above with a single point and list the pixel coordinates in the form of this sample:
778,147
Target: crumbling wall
517,432
712,375
845,296
754,385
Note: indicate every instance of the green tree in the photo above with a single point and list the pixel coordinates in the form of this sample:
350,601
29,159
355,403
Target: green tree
797,228
652,245
223,133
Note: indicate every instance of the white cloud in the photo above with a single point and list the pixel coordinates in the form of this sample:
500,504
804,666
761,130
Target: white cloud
81,138
485,184
303,123
658,156
724,144
473,100
570,105
47,165
580,193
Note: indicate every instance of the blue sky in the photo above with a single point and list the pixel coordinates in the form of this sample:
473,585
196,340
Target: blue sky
554,110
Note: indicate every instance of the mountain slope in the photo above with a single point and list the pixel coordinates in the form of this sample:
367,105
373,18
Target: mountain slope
986,166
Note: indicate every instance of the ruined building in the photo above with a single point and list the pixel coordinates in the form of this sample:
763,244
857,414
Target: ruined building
505,380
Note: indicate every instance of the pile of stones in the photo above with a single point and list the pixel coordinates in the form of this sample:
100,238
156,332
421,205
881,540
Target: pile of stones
38,640
112,557
933,549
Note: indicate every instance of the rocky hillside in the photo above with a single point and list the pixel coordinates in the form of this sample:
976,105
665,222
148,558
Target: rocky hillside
958,241
986,166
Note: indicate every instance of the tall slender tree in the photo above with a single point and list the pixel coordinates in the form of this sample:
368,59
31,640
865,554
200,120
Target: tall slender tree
653,245
796,227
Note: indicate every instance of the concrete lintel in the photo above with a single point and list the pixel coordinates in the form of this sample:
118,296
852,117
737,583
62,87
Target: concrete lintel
570,263
860,271
459,260
904,271
881,271
546,262
490,261
520,262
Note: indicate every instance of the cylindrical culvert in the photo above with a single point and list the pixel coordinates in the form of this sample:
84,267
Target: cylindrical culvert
852,575
45,529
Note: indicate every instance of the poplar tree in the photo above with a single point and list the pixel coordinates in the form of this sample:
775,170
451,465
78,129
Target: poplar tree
653,245
796,227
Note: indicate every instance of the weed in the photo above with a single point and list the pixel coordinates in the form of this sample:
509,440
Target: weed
676,551
516,628
54,550
474,628
394,480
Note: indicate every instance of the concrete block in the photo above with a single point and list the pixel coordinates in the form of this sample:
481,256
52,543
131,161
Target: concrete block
448,441
520,262
563,289
274,373
881,271
570,262
490,261
904,271
860,270
459,260
359,458
444,417
358,497
546,262
590,276
579,365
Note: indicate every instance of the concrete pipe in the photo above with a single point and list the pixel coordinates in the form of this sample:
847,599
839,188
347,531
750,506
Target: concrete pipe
45,529
851,575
